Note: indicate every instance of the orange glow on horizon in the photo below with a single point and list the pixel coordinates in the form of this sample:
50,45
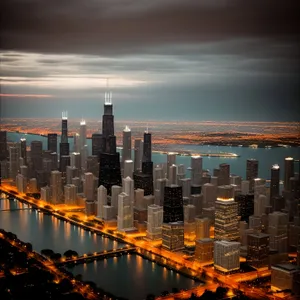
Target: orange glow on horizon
27,95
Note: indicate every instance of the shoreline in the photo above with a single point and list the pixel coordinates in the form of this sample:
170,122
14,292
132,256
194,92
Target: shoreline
147,254
241,144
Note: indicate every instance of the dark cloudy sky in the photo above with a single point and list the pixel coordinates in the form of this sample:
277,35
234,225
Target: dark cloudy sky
165,59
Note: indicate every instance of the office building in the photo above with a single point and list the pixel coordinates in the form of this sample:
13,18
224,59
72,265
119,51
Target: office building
90,208
56,187
21,183
46,194
52,142
173,236
101,200
76,160
278,231
196,170
260,202
115,191
71,173
154,222
209,192
36,153
171,160
3,146
92,165
138,154
172,178
288,172
224,174
125,217
204,250
82,133
14,154
226,215
89,186
126,150
274,187
245,205
251,172
70,193
245,187
23,151
226,256
128,168
173,204
98,144
185,183
202,228
258,249
76,147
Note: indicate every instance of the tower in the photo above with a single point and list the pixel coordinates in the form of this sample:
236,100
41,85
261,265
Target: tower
251,172
126,152
52,142
275,177
110,169
288,172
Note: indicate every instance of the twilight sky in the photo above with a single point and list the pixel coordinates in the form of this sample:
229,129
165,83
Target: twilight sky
165,59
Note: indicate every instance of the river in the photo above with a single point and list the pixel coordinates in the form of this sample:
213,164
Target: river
130,276
266,157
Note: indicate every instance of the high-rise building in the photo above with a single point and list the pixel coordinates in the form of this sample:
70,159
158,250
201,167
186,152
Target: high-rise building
171,160
110,168
147,147
102,200
126,151
288,172
52,142
173,236
70,194
46,194
14,154
98,144
64,127
226,215
226,256
36,152
172,178
3,145
196,170
186,187
202,228
138,154
21,183
56,187
224,175
23,150
76,147
82,133
258,249
204,250
251,172
128,168
89,186
173,204
260,199
125,217
274,187
115,191
278,231
154,222
245,205
92,165
209,192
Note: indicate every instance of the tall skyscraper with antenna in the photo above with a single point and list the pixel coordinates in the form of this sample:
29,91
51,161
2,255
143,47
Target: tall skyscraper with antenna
110,169
64,146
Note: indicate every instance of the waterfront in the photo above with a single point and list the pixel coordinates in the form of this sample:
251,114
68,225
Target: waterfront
266,157
45,231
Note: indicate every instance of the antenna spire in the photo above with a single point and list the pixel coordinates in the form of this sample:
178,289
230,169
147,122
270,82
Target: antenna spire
108,95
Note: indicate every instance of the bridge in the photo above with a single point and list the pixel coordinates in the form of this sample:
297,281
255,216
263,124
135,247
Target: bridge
97,256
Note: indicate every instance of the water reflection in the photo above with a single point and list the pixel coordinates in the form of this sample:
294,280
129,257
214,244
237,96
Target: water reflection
121,276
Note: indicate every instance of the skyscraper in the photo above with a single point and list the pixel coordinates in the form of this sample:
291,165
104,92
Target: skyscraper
171,160
52,142
138,154
251,172
224,175
64,127
196,170
126,151
23,149
110,169
154,222
36,151
3,145
98,144
275,177
173,204
64,146
288,172
82,133
226,215
56,187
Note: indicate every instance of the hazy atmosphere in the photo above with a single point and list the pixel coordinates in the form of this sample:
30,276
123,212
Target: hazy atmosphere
165,59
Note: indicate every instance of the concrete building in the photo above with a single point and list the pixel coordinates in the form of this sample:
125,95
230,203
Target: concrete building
154,222
209,192
128,168
258,249
70,194
278,231
56,187
274,187
172,178
173,236
138,154
115,191
226,215
202,228
251,172
21,183
171,160
126,151
226,256
125,217
196,170
14,154
288,172
90,208
46,194
160,194
101,200
89,186
204,250
186,187
224,175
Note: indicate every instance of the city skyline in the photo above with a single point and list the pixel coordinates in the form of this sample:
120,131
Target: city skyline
157,56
